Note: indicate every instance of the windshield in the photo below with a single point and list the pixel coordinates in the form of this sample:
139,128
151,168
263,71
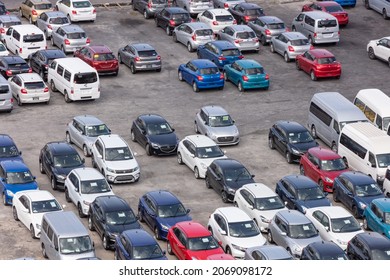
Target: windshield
85,78
59,20
209,71
243,229
2,48
33,38
224,18
346,224
67,161
9,151
147,252
279,25
82,4
5,87
333,165
383,160
147,53
96,130
386,122
11,23
381,254
158,128
45,206
310,193
76,35
367,190
237,174
218,121
333,9
209,152
75,245
120,217
254,71
300,137
23,177
300,42
204,32
231,52
302,231
268,203
342,124
326,60
168,211
34,85
327,23
246,35
122,153
95,186
159,1
202,243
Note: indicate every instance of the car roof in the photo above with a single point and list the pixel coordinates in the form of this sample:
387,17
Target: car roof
55,14
291,126
111,203
36,195
112,141
139,237
203,63
9,18
228,163
214,110
249,63
40,1
223,45
219,11
193,229
30,77
327,3
142,47
294,35
300,181
52,53
326,247
13,59
72,28
319,15
323,153
87,173
233,214
61,148
248,6
6,140
201,140
319,53
357,177
240,28
333,212
163,197
259,190
382,203
88,120
293,217
197,25
272,251
14,165
271,19
100,49
374,240
152,118
66,223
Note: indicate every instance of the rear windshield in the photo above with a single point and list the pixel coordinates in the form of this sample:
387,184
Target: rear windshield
276,25
246,35
59,20
300,42
76,35
45,6
159,1
180,17
11,23
327,23
209,71
204,32
17,66
33,38
224,18
231,52
34,85
326,60
254,71
82,4
103,56
332,9
147,53
254,12
85,78
4,89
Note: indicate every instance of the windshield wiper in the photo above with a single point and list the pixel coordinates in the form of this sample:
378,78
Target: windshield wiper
150,256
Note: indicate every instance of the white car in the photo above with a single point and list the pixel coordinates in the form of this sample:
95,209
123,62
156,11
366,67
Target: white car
379,49
235,231
77,10
386,182
115,160
198,152
334,223
3,50
83,185
216,19
29,88
29,207
259,202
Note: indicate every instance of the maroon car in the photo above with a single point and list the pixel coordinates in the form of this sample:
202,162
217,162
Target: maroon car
99,57
330,7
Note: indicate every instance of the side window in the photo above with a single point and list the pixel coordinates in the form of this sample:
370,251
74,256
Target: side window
44,226
257,256
358,103
320,114
370,114
16,35
55,241
99,147
67,75
353,146
378,121
50,233
53,65
60,70
336,127
371,159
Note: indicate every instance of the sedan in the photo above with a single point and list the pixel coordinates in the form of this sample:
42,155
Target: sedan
40,61
193,34
29,88
267,27
140,57
267,252
77,10
99,57
380,49
155,134
323,250
331,7
319,63
201,74
376,216
246,12
242,36
246,74
51,21
290,44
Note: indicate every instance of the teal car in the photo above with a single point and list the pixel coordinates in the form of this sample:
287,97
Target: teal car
376,216
246,74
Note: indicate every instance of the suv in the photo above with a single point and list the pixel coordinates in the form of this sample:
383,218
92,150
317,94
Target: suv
69,38
77,10
170,17
140,57
40,61
99,57
114,158
32,9
13,64
8,149
149,7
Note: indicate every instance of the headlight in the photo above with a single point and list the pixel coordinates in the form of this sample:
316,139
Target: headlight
296,249
212,136
204,166
38,226
264,219
136,168
230,190
328,180
61,177
9,193
238,247
86,202
154,145
235,132
341,242
164,227
362,205
380,177
294,151
110,170
194,258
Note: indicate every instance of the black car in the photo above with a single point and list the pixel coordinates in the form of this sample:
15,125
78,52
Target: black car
291,139
246,12
57,159
109,216
155,134
13,64
40,60
323,250
3,9
369,246
226,176
170,17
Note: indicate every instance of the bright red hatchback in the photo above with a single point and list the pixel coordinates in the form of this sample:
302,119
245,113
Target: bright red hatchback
191,241
99,57
330,7
322,166
319,63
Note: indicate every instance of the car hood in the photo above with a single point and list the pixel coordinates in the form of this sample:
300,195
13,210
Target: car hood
268,214
65,170
345,237
333,174
171,221
22,187
169,139
223,130
208,161
248,242
236,185
122,164
120,228
367,199
18,158
202,255
314,202
303,147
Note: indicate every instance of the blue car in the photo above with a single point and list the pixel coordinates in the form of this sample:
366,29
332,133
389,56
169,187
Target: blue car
220,52
201,74
356,191
15,176
343,3
8,149
246,74
137,244
300,192
161,210
376,216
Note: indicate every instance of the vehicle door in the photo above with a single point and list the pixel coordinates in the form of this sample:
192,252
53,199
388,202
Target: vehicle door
313,167
56,37
181,33
246,202
124,246
165,18
35,66
26,213
237,11
280,44
179,244
150,213
41,22
202,121
226,34
257,26
85,55
16,85
77,133
47,161
280,139
306,62
3,177
221,229
189,72
126,54
284,194
281,229
99,219
321,222
61,83
206,17
74,188
299,23
51,251
9,39
99,156
189,154
236,73
140,132
214,177
347,193
374,218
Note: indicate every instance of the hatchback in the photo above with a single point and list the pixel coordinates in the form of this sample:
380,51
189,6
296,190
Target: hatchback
6,21
40,61
32,9
70,38
170,17
376,216
379,48
77,10
267,27
29,88
140,57
242,36
331,7
216,19
8,149
201,74
155,134
99,57
220,52
323,250
13,64
149,7
369,246
193,34
49,22
318,63
290,45
267,252
245,12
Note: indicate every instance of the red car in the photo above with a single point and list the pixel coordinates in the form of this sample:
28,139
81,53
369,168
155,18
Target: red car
319,63
330,7
191,241
221,257
99,57
322,166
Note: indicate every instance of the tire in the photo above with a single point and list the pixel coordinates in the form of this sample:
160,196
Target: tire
179,158
53,183
271,143
20,104
310,40
32,232
20,13
195,87
272,48
67,198
132,136
42,74
94,165
120,59
263,40
53,86
225,77
132,68
148,150
90,223
355,212
168,31
174,38
85,151
313,76
105,243
371,53
66,97
335,196
367,5
68,139
313,131
321,184
240,87
293,28
334,147
63,49
69,18
156,233
207,181
180,76
80,211
297,66
269,237
141,217
228,250
43,251
384,14
189,47
196,128
288,157
146,15
196,172
41,168
224,197
169,248
301,170
286,57
15,214
365,224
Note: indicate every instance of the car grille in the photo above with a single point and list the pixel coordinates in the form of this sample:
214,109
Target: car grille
125,178
125,171
225,139
168,149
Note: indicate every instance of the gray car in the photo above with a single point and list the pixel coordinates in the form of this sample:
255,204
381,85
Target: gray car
49,22
225,4
139,57
267,252
290,44
267,27
292,230
149,7
215,122
242,36
83,131
69,38
193,34
7,21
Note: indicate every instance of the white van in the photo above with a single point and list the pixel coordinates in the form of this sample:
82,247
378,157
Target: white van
24,40
365,148
375,104
328,113
74,78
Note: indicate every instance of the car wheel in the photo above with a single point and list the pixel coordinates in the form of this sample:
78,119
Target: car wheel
20,104
271,143
174,38
42,74
94,165
189,47
334,147
321,184
180,75
66,97
20,13
286,58
384,14
53,86
195,87
335,196
365,224
67,198
32,232
15,214
67,137
44,251
156,233
293,28
313,132
132,136
272,48
69,19
179,158
41,168
146,15
240,87
198,55
53,183
224,197
168,31
169,248
63,49
132,68
263,40
225,76
310,40
228,250
196,172
105,243
297,66
269,237
367,4
196,128
371,53
120,59
30,20
288,157
80,210
148,150
207,181
355,211
90,223
313,76
52,41
85,151
301,170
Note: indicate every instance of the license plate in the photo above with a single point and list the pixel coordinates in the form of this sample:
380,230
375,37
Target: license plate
35,98
148,66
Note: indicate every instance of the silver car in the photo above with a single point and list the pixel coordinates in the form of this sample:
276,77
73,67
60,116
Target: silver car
292,230
194,7
267,252
83,131
290,44
215,122
225,4
140,57
267,27
242,36
193,34
49,22
70,38
149,7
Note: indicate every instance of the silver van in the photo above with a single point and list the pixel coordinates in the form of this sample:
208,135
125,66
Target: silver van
381,6
319,27
329,112
64,237
6,100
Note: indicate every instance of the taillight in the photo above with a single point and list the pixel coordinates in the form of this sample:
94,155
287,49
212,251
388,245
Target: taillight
158,57
311,47
46,66
71,90
315,35
88,41
226,5
221,58
34,13
74,12
237,41
66,41
234,21
149,5
12,100
246,18
29,70
241,57
291,49
193,37
94,11
339,33
172,22
267,32
2,30
49,26
287,29
214,23
20,50
7,13
8,73
23,90
245,78
267,77
200,78
46,89
255,39
137,58
221,76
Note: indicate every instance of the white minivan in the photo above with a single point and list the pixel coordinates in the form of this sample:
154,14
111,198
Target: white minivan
74,78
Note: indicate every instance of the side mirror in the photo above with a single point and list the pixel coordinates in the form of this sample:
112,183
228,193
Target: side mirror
164,253
56,247
251,207
218,178
173,129
220,243
76,189
361,224
63,206
224,151
326,193
137,217
188,211
326,228
144,132
192,155
3,179
34,178
99,156
283,233
222,232
317,166
20,153
253,175
285,203
83,160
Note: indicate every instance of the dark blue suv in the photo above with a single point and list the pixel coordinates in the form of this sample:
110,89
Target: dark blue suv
220,52
8,149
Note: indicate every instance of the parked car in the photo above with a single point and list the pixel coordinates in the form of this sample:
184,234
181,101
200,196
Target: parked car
109,216
193,34
267,27
201,74
56,160
380,49
70,38
386,183
245,12
7,20
331,7
191,241
322,166
49,22
3,50
381,6
259,202
246,74
225,4
198,152
140,57
216,123
40,61
32,9
290,45
323,250
77,10
137,244
194,7
319,63
149,7
155,134
13,64
267,252
8,149
216,19
226,176
355,191
291,139
3,9
161,210
99,57
29,88
369,246
242,36
15,176
376,216
28,207
170,17
234,230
